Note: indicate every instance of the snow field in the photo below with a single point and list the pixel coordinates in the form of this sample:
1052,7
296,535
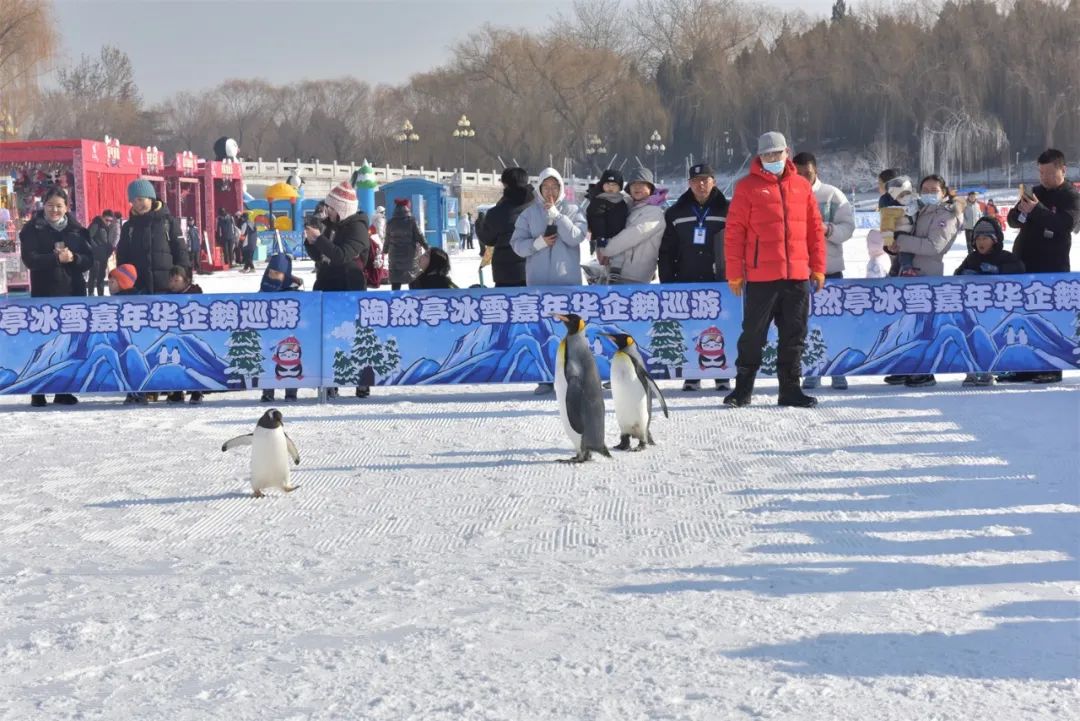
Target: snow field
890,555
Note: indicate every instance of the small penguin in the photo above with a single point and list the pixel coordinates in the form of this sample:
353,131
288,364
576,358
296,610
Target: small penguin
270,453
577,388
632,389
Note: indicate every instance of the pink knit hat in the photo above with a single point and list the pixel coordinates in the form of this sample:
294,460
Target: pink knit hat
342,199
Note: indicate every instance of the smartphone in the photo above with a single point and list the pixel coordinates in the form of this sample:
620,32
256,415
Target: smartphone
1025,192
551,230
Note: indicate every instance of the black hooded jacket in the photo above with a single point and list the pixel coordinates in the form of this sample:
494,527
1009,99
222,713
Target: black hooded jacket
681,259
152,242
49,278
507,267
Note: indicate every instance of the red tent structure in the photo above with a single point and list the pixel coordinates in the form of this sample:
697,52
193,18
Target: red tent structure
95,173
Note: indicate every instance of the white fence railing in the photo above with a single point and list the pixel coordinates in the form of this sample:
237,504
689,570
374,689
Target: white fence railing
280,169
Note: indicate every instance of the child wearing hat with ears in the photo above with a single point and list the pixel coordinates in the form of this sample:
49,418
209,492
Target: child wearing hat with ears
989,257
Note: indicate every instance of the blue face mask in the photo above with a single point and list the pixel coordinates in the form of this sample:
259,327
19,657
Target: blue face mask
929,199
775,167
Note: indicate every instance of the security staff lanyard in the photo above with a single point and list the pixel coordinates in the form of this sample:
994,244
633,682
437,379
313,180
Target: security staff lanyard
699,229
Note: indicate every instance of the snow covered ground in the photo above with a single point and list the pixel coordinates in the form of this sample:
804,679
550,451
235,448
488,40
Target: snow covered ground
892,555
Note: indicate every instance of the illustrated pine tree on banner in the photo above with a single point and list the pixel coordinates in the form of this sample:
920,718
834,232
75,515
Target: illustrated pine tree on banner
1076,327
366,354
768,357
391,358
345,370
245,356
668,346
815,353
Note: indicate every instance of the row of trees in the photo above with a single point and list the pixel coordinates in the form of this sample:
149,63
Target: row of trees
964,84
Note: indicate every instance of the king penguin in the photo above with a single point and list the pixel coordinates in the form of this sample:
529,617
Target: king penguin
577,388
271,450
632,389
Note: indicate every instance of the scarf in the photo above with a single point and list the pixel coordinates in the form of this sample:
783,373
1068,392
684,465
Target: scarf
58,225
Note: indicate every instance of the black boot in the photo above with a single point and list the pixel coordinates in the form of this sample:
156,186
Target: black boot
744,388
791,393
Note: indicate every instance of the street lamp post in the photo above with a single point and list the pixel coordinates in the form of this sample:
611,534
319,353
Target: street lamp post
728,149
406,136
594,146
464,131
655,148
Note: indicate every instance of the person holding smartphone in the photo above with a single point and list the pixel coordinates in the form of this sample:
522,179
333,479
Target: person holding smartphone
1047,216
548,235
56,249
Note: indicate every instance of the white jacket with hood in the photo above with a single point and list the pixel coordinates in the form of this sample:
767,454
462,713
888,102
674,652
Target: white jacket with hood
561,263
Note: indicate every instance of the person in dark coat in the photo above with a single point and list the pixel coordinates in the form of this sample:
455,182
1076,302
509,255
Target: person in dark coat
249,239
56,250
434,273
692,249
150,240
608,209
339,243
1047,217
194,241
508,268
403,242
100,249
227,235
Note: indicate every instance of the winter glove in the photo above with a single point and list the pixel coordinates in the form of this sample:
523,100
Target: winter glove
552,213
736,286
989,268
818,280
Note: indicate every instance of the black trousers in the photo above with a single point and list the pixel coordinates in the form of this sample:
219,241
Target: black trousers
785,303
969,234
97,276
227,252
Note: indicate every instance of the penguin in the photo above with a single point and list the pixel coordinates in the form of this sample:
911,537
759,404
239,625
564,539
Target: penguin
632,389
577,388
270,453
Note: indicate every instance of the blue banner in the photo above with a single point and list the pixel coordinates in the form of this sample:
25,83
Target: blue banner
956,324
509,336
164,343
307,339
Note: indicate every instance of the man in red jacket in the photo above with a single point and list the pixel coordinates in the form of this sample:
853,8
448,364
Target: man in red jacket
775,243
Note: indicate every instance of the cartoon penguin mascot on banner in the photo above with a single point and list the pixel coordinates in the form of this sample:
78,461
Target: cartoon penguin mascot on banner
287,364
710,348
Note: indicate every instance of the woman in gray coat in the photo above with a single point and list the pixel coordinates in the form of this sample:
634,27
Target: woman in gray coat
403,239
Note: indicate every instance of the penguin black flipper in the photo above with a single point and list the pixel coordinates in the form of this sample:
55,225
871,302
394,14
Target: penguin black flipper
244,440
648,382
293,453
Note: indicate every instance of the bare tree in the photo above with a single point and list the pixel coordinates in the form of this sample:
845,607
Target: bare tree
28,44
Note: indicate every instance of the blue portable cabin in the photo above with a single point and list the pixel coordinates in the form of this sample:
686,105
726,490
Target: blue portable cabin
429,206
